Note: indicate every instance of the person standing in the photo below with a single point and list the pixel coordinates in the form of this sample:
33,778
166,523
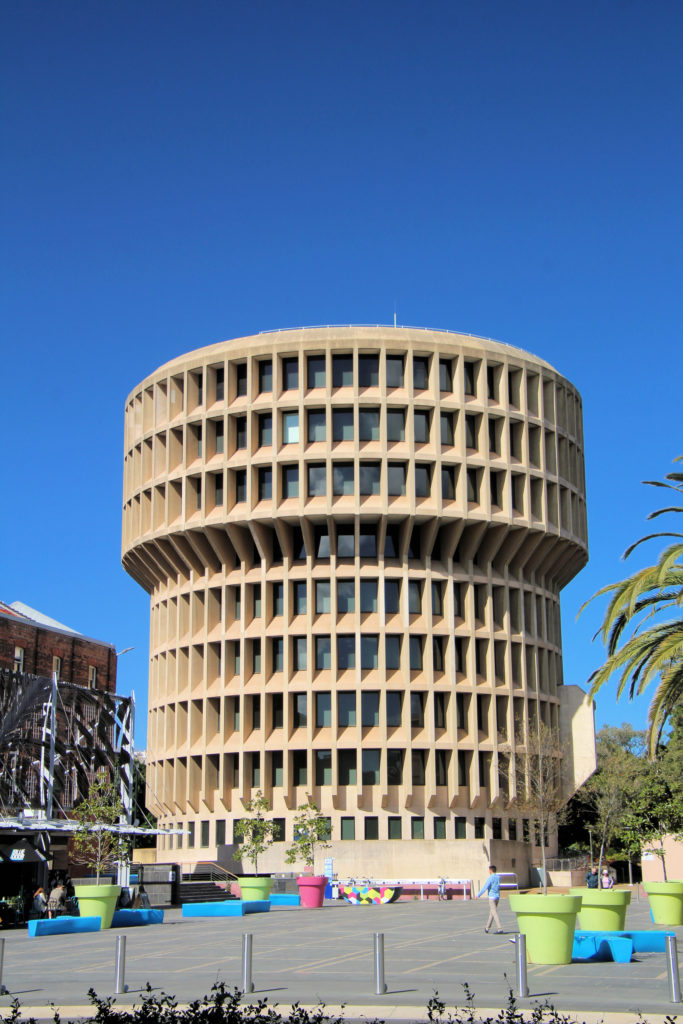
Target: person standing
592,878
492,887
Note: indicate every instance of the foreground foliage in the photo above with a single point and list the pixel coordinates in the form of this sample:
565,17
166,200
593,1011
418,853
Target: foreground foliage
638,653
225,1006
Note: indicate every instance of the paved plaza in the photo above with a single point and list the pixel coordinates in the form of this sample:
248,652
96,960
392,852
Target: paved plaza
326,956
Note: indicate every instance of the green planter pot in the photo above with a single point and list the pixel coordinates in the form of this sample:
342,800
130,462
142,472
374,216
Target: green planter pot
548,923
255,887
602,910
97,901
666,901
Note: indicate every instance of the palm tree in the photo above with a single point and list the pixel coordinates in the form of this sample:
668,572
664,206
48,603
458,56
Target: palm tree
641,652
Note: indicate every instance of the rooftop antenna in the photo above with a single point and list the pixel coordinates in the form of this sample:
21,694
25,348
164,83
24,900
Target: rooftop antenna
394,313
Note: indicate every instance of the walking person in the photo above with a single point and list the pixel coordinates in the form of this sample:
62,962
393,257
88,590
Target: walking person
492,887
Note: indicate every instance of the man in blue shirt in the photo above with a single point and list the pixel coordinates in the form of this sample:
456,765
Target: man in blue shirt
492,887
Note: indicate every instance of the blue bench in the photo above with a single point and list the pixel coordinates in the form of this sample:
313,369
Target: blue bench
609,945
230,908
64,925
127,917
284,899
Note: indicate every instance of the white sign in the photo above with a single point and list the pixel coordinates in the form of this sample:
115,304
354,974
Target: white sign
328,870
17,854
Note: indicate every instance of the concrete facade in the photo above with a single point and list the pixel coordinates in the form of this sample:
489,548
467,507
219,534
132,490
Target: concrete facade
354,540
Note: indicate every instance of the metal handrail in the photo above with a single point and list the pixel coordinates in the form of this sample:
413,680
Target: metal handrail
208,870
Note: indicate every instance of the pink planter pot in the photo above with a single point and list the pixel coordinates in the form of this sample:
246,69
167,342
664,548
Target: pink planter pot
312,890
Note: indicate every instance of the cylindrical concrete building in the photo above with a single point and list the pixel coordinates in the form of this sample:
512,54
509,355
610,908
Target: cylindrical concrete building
354,539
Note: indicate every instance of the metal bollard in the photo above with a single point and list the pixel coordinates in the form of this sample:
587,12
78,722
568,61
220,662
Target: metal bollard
247,942
3,990
378,948
120,966
672,968
520,950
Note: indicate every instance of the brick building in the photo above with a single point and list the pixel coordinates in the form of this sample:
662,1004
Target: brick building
35,644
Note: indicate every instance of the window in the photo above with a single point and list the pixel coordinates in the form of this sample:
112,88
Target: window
440,706
342,371
421,426
445,375
322,597
300,597
422,481
370,767
316,426
418,766
441,764
496,828
470,379
437,599
368,371
241,379
420,372
316,371
323,653
369,477
346,763
342,424
218,488
278,599
342,478
372,828
257,600
240,432
437,653
190,829
256,657
317,486
265,430
299,660
395,371
370,709
367,542
392,595
461,828
220,833
396,425
345,542
323,710
417,828
394,699
299,768
346,708
414,597
300,716
265,376
346,652
369,652
396,478
348,828
447,485
417,711
323,767
92,676
446,427
368,596
439,828
512,829
368,424
394,828
346,596
472,486
322,543
276,768
393,652
198,436
277,653
391,542
220,436
290,374
220,384
416,653
290,482
256,769
479,828
290,428
277,709
56,665
472,431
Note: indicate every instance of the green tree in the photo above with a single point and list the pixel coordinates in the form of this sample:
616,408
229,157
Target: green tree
257,832
638,649
655,809
311,832
96,842
608,791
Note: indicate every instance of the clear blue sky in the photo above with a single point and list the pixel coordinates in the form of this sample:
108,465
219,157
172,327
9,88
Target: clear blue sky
178,173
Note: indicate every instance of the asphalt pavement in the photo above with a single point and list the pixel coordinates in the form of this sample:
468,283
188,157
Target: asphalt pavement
326,956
